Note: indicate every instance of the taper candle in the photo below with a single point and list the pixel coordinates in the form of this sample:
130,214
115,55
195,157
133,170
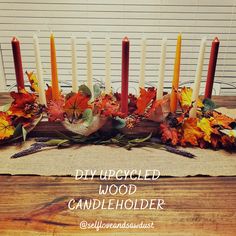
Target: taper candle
74,65
2,74
198,78
42,96
142,64
89,66
55,85
162,70
125,76
212,67
18,64
108,67
175,82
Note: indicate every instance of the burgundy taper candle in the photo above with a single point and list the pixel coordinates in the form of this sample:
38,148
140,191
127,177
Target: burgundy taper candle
212,67
125,76
18,64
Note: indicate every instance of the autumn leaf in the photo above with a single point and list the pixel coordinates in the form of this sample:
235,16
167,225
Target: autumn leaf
76,105
33,81
23,104
48,93
205,125
144,100
186,98
191,133
159,110
168,134
108,106
228,142
221,120
56,111
6,129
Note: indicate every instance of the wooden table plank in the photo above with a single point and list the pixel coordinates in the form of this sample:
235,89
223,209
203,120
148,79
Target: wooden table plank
37,205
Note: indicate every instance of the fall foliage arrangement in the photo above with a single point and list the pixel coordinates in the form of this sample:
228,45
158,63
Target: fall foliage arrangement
100,121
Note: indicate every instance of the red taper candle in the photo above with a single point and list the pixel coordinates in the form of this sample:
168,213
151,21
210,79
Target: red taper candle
18,64
212,67
125,76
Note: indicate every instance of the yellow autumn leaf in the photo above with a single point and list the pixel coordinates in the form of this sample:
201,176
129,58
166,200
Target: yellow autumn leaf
186,97
230,133
33,81
205,125
6,130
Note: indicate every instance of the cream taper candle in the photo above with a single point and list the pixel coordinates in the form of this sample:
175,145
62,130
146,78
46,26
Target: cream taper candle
198,78
108,67
74,65
41,86
162,70
89,66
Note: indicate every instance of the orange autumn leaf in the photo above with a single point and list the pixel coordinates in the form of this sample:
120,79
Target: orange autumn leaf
205,125
76,105
33,81
108,106
146,96
6,129
168,134
221,120
191,133
21,106
159,110
186,98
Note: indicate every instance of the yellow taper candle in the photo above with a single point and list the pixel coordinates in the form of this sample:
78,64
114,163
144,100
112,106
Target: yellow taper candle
175,82
55,85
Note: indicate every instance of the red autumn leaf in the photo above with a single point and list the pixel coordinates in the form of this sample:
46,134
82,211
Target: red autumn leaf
76,105
23,104
144,100
48,93
191,133
168,134
56,111
23,98
228,142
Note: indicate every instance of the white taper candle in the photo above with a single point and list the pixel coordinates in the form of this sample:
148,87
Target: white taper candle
2,74
41,86
74,65
162,69
108,67
89,66
198,77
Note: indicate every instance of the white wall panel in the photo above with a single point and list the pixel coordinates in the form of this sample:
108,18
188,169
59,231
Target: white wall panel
153,19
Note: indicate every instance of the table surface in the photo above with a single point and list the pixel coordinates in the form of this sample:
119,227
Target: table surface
37,205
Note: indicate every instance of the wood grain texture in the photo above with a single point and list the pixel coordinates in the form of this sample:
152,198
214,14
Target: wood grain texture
33,205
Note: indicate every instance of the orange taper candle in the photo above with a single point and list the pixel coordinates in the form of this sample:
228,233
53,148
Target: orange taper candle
175,82
55,85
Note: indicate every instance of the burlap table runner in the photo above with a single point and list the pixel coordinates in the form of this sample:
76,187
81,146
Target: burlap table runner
66,161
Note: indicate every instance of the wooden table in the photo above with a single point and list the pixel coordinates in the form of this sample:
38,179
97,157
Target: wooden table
38,205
